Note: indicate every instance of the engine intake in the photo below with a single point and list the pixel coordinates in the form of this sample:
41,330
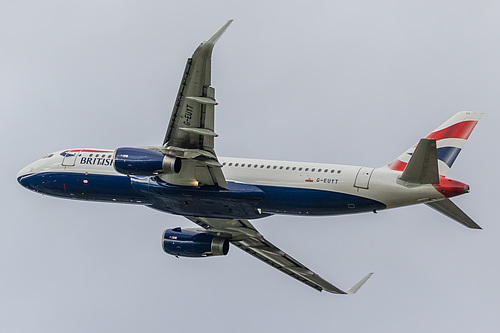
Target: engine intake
190,243
145,162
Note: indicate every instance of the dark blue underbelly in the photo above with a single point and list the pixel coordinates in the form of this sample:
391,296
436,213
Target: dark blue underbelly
81,186
240,201
300,201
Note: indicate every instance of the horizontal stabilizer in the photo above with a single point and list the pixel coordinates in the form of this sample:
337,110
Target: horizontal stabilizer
423,165
448,208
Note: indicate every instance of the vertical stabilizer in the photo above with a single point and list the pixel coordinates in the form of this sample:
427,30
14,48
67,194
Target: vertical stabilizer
450,138
423,165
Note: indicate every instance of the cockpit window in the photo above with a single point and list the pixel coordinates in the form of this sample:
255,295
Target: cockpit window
49,156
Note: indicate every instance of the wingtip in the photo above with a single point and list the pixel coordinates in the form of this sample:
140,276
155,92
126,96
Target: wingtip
206,47
216,35
354,288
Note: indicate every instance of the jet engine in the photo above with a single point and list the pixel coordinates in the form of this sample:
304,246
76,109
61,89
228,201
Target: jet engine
145,162
190,243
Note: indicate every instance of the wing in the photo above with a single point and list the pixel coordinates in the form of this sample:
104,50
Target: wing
190,133
243,234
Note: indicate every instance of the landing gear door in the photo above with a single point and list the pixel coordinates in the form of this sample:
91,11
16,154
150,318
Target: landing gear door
70,157
363,177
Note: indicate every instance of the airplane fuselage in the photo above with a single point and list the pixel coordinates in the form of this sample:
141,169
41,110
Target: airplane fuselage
256,188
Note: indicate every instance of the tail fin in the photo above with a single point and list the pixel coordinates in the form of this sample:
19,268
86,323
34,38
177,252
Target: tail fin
450,138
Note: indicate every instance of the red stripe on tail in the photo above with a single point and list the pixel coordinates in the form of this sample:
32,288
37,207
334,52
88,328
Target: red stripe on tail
397,165
461,130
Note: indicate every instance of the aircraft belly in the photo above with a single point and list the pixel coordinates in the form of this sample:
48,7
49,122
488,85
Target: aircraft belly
238,201
245,201
291,200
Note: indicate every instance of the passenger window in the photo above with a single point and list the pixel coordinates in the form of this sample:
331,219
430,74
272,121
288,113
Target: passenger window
293,168
319,170
300,169
242,164
249,165
223,164
332,171
281,168
91,155
338,171
230,164
306,169
274,167
288,168
326,170
268,166
312,170
261,166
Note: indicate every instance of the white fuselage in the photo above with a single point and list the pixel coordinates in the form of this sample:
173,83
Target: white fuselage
378,184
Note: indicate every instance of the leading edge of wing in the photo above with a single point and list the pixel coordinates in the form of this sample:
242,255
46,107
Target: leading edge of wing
243,234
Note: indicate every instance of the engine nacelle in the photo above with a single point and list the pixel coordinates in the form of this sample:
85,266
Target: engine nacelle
145,162
190,243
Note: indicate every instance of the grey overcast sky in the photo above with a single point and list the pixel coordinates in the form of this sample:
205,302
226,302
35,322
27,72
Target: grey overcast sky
352,82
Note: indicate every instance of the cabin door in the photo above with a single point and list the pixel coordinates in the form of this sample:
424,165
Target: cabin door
363,177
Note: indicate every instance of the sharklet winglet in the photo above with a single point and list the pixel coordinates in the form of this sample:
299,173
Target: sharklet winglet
355,287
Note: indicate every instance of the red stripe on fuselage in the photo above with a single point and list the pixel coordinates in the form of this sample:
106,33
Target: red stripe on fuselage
87,151
460,130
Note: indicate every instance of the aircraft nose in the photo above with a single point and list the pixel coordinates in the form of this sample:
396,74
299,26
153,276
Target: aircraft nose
21,177
24,174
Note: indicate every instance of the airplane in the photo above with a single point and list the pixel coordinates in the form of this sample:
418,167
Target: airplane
184,176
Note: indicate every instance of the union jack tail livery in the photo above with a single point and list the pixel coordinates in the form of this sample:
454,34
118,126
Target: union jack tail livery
450,138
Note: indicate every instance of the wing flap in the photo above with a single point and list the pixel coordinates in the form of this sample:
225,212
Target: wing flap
199,131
